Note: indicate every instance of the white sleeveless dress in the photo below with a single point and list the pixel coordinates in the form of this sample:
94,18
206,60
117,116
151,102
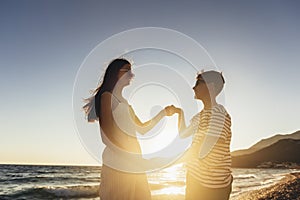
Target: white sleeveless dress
118,178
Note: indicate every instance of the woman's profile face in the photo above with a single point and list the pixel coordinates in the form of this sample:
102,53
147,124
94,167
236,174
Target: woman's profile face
125,75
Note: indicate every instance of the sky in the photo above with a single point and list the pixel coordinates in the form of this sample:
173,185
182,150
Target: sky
43,44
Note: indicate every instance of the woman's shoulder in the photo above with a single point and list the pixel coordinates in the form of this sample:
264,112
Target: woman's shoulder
112,98
109,96
106,97
106,94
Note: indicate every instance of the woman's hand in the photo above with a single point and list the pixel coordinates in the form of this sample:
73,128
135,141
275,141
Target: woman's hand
171,110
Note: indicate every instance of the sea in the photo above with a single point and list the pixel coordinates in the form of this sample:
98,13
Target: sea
82,182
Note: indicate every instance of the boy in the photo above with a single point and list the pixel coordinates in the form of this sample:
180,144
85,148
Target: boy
208,159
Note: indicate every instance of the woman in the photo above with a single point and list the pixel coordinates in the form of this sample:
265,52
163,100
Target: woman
119,124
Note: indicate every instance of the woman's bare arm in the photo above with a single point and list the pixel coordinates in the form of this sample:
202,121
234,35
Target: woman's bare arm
144,127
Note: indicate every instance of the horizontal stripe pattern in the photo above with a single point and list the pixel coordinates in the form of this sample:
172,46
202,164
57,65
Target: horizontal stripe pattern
214,170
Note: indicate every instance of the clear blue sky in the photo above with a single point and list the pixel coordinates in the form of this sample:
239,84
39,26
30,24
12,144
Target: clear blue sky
43,43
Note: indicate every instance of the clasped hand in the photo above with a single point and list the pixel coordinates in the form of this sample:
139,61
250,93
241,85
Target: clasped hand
171,110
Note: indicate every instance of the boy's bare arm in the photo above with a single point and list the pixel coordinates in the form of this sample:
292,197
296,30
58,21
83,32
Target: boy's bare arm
184,131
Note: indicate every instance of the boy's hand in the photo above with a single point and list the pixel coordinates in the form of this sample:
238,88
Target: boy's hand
171,110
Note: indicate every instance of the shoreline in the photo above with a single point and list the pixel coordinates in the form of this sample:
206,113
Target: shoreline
286,189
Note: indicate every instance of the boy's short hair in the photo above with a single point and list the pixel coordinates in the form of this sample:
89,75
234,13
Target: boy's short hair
213,77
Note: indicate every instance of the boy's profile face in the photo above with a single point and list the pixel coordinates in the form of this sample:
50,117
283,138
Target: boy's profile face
208,85
200,89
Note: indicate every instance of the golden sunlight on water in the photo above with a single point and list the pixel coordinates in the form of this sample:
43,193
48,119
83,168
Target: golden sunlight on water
168,181
173,172
172,190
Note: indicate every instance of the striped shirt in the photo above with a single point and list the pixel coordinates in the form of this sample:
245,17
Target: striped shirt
210,161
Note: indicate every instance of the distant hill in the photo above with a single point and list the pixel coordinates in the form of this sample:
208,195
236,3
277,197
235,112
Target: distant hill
266,142
284,150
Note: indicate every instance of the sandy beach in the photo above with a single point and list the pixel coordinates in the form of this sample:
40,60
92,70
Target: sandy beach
288,188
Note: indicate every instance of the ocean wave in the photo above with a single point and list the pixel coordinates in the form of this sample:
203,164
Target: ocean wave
47,179
62,192
245,176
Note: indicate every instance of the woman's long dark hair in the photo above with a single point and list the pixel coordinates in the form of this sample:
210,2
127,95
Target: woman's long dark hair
93,107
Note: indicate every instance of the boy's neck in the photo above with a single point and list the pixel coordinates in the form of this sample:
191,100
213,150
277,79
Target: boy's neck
209,103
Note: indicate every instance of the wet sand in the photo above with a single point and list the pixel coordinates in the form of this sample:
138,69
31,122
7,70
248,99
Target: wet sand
288,188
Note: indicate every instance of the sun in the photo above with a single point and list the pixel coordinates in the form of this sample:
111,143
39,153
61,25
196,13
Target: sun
161,139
